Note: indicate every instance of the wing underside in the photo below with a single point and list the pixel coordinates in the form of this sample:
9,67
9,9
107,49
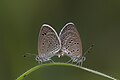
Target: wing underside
70,41
48,41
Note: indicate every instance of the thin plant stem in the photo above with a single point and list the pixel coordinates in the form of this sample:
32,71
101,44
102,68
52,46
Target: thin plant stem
21,77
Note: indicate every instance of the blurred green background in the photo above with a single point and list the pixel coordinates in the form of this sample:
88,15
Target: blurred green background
98,22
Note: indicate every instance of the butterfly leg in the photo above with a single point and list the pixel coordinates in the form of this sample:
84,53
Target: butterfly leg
51,61
72,62
69,61
79,63
39,62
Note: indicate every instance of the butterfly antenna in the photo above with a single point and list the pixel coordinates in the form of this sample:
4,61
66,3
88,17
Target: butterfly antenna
28,54
88,50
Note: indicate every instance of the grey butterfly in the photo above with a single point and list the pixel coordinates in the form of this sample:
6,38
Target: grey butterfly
48,43
70,43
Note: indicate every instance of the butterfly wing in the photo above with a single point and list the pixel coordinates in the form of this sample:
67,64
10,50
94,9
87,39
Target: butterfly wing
70,41
48,41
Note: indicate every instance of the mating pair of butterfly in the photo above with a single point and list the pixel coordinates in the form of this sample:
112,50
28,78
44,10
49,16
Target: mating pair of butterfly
66,43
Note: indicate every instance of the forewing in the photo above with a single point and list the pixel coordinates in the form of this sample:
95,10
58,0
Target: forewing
70,40
48,41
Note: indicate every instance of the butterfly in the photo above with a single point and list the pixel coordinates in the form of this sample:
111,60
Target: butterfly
71,43
48,43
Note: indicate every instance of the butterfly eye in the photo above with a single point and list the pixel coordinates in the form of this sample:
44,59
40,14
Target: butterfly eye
37,58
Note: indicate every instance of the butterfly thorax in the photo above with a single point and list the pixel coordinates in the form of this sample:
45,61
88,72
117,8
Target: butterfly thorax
78,59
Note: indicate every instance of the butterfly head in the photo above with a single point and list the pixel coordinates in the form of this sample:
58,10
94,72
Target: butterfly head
41,58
